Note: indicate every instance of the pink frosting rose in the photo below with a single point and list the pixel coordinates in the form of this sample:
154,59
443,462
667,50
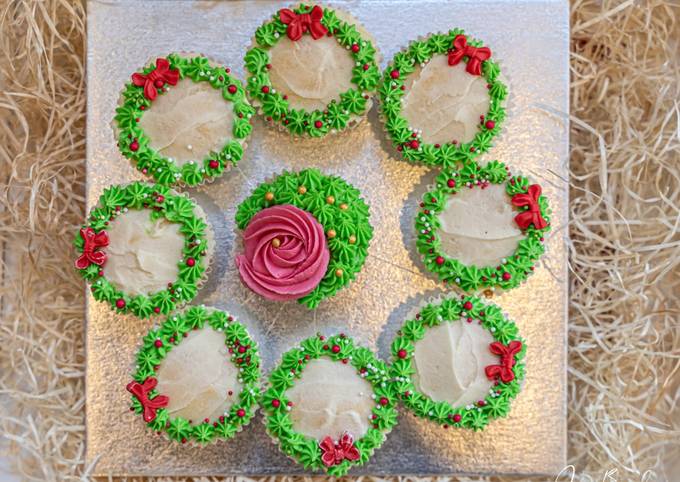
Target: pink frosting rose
286,255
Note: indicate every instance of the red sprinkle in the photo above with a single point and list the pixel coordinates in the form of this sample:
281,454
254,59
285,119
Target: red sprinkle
120,303
506,276
415,144
457,418
276,403
134,145
241,413
191,262
213,164
490,124
232,89
355,48
451,183
335,349
318,124
265,89
402,353
467,305
394,74
439,260
158,343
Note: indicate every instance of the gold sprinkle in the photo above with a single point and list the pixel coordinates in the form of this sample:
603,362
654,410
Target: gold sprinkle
302,189
330,199
343,206
338,273
269,196
352,239
331,233
276,242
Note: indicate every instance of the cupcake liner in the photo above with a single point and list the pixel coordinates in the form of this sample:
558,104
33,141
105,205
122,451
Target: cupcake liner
433,311
354,119
185,320
223,159
336,192
116,201
324,346
513,270
461,157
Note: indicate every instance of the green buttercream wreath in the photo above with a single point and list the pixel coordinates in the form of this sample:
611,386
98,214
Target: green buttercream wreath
513,270
133,142
338,113
468,309
156,346
405,137
336,205
161,202
341,349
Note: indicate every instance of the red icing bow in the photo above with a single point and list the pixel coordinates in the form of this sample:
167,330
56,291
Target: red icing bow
141,391
92,242
156,79
476,55
333,454
533,214
507,354
299,24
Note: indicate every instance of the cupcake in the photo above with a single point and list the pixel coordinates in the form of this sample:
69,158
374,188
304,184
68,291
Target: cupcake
183,120
329,404
305,236
481,228
197,377
144,249
442,99
312,70
458,362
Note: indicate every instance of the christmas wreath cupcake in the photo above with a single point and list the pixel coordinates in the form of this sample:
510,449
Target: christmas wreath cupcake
144,248
329,404
197,377
183,120
482,228
442,99
305,236
312,70
458,363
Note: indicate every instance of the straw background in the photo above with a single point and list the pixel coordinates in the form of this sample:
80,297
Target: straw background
624,326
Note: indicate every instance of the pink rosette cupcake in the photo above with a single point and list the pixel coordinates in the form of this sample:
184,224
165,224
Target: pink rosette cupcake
305,236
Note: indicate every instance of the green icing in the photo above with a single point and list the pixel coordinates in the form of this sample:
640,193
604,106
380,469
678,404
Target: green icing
337,114
518,266
161,203
303,449
171,333
447,155
162,169
347,216
452,310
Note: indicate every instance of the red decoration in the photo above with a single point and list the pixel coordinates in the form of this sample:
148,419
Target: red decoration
299,24
141,391
533,214
507,354
157,78
476,55
335,453
93,241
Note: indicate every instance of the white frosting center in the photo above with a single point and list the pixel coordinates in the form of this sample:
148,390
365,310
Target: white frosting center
478,226
197,376
445,101
310,72
188,122
142,254
450,361
329,399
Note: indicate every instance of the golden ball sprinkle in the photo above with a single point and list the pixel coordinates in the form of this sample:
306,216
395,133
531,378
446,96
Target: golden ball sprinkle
330,199
276,242
338,273
302,189
352,239
331,233
344,206
269,196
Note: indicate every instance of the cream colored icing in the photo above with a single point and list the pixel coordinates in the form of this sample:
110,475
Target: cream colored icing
142,255
330,398
188,122
445,101
197,377
450,361
477,226
310,72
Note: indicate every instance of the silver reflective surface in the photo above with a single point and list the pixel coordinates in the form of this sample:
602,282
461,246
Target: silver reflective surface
531,40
